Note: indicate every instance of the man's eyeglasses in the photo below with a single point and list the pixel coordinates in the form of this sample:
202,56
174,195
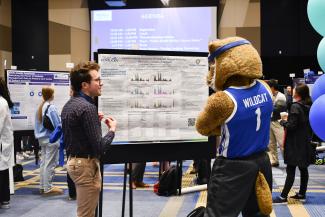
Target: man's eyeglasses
99,80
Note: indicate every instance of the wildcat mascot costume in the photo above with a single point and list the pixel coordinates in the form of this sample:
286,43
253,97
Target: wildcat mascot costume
239,112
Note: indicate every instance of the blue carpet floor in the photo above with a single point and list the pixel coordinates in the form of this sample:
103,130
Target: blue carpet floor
27,202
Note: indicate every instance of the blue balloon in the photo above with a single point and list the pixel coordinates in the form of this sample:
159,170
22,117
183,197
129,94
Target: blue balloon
321,52
316,15
318,88
317,117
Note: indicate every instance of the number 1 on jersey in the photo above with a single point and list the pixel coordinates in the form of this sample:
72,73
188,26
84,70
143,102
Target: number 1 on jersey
258,121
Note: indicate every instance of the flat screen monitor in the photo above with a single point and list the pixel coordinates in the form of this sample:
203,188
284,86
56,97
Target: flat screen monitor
161,29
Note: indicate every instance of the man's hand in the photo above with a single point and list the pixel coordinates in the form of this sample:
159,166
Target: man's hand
111,123
100,116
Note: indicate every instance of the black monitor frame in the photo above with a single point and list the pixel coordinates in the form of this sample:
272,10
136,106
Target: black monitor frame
143,152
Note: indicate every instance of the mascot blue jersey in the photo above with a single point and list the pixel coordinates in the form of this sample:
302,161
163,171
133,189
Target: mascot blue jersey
247,130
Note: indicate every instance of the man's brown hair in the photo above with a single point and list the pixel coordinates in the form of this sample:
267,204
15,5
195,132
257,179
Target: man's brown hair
80,73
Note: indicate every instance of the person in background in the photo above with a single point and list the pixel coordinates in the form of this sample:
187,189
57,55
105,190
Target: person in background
276,130
83,136
297,148
138,170
288,96
6,145
71,186
49,151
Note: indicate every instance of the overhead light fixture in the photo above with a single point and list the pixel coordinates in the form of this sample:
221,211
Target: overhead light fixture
116,3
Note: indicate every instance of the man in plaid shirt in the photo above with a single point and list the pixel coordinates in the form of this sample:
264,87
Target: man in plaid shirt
83,136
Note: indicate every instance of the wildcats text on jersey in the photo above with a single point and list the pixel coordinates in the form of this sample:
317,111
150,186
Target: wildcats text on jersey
255,100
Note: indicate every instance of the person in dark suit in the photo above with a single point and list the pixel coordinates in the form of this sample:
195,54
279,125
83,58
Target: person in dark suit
288,96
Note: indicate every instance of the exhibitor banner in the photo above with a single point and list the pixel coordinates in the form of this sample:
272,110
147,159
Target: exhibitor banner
26,93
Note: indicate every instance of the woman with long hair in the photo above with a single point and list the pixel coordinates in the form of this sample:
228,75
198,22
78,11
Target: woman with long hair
49,151
6,144
297,147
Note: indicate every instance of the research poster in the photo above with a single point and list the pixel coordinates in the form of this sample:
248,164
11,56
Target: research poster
26,93
154,98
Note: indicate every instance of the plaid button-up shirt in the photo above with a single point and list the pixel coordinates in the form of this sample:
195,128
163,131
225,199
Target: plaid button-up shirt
82,129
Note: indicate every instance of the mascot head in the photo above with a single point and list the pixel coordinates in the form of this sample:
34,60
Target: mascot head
232,62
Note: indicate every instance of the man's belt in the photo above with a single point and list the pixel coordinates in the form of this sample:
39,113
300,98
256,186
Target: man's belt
81,156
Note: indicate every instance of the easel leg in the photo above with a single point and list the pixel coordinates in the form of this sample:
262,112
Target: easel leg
130,191
180,174
124,188
99,209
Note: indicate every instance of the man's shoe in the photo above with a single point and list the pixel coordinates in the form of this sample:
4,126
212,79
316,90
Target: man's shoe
72,198
5,205
133,185
53,191
299,197
26,156
280,200
275,164
155,164
141,184
202,181
193,171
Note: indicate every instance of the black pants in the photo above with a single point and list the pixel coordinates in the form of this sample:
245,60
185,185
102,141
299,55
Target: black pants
138,171
4,186
291,171
231,188
71,185
203,167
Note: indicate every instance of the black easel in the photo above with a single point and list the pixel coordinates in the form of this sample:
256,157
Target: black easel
133,153
127,171
99,210
179,166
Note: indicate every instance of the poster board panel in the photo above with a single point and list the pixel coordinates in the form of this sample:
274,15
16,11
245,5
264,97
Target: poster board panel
26,93
170,71
155,96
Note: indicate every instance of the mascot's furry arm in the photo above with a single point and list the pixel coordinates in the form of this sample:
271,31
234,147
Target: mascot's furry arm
218,108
